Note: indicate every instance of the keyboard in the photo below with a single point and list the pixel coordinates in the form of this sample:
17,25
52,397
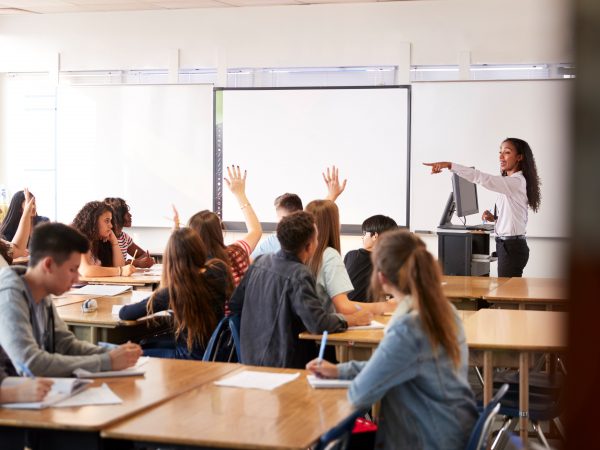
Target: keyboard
481,227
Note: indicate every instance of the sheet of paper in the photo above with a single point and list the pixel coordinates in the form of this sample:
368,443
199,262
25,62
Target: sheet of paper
317,382
251,379
154,271
100,290
102,395
116,309
62,388
131,372
138,296
374,326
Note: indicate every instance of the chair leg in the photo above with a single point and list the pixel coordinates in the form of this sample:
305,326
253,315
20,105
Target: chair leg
508,427
560,428
479,376
538,429
561,364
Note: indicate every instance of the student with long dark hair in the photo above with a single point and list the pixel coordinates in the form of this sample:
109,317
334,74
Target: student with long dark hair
16,243
210,228
194,288
518,186
104,259
419,370
10,224
327,265
122,219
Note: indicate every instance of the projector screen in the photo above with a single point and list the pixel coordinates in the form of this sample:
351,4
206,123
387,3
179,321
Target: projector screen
286,137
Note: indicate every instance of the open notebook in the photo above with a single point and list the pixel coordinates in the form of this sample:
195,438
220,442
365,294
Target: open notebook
61,389
330,383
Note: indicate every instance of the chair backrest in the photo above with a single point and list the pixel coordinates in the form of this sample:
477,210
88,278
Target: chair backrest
224,343
481,431
338,436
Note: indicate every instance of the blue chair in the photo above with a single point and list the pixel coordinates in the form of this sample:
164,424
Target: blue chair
481,431
224,343
338,437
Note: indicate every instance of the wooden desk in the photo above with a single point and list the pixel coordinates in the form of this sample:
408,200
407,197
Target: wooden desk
458,287
539,291
79,427
63,300
292,416
520,332
88,325
149,282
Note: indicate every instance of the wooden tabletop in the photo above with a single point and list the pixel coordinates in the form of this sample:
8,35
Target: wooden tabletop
517,330
530,290
456,287
140,280
292,416
63,300
102,317
164,379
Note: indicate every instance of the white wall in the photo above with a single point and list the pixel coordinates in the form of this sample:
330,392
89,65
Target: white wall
390,33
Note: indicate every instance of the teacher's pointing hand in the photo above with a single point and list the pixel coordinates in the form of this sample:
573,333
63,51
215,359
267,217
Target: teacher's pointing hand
436,167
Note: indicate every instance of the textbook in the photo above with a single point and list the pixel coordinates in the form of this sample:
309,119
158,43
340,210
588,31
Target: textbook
331,383
61,389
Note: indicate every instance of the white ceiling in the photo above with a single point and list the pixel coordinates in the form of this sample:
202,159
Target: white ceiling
64,6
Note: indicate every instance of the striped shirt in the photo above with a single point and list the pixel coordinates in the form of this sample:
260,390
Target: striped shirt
124,241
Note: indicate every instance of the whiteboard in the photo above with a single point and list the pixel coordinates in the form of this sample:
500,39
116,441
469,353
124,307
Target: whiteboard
149,144
465,122
285,138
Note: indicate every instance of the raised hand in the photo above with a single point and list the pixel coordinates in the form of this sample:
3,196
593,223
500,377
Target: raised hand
332,181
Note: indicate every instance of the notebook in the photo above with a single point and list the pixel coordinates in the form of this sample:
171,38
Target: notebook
328,383
130,372
61,389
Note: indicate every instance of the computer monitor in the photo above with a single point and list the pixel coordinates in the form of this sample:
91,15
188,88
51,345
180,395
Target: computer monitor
465,196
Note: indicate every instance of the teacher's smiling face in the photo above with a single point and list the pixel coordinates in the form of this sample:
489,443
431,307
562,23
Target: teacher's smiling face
509,158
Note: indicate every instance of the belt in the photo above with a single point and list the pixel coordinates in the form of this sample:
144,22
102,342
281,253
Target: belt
510,238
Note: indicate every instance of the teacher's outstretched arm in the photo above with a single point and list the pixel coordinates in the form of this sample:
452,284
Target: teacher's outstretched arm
436,167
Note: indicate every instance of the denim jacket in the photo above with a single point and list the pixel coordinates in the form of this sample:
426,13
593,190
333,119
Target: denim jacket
425,402
277,300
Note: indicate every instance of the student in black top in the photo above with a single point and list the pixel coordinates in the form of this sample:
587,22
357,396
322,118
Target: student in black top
194,288
358,262
10,223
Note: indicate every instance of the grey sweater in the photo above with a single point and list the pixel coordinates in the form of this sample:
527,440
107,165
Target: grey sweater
48,348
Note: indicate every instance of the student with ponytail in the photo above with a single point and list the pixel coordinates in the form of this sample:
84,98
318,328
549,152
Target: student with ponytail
518,188
419,370
194,288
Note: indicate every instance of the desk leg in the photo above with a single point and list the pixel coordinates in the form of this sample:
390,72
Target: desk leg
521,306
524,396
342,353
488,381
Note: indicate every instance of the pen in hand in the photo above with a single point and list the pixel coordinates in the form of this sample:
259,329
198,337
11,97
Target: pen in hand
322,348
25,370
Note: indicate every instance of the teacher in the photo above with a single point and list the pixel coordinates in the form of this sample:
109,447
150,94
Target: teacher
518,187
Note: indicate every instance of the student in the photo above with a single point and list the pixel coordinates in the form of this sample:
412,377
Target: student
277,300
18,242
208,225
288,203
10,224
104,259
194,289
18,390
358,262
31,332
327,266
122,218
518,187
419,370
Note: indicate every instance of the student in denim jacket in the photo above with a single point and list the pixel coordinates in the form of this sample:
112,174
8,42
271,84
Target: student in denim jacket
419,370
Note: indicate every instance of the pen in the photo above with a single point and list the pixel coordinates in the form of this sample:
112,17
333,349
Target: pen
25,370
358,308
322,349
134,255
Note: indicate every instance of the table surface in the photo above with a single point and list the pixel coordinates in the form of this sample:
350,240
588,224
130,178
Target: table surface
164,379
126,281
63,300
470,287
540,290
293,416
508,329
102,317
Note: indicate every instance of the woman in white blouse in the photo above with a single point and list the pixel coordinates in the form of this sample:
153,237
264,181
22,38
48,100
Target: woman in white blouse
518,186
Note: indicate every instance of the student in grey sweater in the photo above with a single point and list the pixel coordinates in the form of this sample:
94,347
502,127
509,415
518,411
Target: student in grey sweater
31,333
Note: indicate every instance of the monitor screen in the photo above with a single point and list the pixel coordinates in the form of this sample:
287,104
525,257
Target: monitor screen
465,196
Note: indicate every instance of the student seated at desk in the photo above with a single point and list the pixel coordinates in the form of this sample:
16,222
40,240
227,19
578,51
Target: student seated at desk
419,370
208,225
31,332
277,301
17,208
104,259
327,266
19,239
358,262
122,218
19,389
194,288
